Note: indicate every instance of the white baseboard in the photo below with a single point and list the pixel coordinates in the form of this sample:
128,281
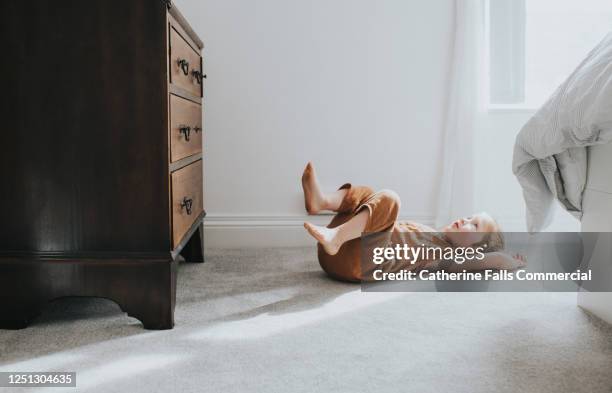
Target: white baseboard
252,231
269,231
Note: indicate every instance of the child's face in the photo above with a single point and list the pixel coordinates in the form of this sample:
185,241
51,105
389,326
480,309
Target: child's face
469,230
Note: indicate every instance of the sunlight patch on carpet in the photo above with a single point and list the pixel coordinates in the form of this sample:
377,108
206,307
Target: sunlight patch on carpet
267,324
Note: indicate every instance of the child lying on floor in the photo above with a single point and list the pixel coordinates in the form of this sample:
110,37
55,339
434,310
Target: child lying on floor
361,210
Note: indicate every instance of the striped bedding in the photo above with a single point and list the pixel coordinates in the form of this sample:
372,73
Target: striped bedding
550,155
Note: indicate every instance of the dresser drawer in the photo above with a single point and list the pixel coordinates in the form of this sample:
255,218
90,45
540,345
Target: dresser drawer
187,199
185,128
185,65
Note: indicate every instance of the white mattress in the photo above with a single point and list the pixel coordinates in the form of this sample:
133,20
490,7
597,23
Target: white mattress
597,217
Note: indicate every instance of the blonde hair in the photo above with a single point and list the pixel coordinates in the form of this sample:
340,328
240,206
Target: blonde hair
492,241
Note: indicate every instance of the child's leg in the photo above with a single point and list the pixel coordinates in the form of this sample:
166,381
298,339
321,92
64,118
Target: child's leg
332,238
314,198
376,214
346,199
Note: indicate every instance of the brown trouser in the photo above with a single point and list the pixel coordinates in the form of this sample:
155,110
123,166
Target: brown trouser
383,207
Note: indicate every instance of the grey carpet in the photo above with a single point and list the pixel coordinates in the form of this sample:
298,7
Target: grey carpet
271,321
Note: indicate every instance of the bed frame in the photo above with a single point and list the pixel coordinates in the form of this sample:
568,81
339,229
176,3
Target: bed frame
597,217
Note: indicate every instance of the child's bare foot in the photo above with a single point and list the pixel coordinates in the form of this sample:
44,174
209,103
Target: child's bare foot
328,237
314,200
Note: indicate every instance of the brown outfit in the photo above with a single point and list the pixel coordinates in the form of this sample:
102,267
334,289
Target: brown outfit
384,208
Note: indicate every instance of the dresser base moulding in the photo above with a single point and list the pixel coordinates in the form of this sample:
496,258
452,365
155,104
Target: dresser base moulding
143,286
144,289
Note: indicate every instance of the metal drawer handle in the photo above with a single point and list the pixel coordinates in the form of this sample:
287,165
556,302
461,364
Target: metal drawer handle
186,130
186,204
198,75
184,64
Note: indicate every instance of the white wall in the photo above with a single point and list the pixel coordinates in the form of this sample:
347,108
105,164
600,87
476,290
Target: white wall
357,86
499,193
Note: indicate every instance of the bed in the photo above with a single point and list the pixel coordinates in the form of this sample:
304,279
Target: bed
564,153
597,217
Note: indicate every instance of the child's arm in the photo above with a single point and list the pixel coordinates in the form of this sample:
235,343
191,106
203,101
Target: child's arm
493,260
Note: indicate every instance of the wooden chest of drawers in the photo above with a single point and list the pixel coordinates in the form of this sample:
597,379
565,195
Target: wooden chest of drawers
101,171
